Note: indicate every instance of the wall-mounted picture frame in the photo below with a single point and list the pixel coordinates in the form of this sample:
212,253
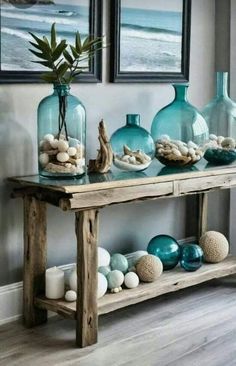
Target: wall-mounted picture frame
150,41
37,16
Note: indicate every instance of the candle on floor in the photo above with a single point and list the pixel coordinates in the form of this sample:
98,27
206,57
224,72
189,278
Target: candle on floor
55,283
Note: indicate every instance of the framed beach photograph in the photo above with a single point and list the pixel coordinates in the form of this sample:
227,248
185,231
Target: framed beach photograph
19,17
150,40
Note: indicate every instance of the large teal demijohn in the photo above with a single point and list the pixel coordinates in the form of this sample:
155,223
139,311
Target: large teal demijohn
61,134
179,131
132,145
220,115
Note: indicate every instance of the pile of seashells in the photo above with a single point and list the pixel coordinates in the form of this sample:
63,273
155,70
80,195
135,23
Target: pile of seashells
61,155
220,149
132,160
176,152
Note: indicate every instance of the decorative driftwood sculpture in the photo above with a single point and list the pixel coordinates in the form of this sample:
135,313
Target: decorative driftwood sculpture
105,155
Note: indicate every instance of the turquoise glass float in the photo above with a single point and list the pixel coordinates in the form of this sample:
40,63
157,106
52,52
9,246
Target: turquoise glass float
191,257
220,115
179,131
61,134
132,145
167,249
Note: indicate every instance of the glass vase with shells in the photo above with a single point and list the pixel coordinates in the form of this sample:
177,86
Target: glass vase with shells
179,131
62,116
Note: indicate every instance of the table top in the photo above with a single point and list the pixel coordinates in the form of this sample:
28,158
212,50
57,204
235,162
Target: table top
156,173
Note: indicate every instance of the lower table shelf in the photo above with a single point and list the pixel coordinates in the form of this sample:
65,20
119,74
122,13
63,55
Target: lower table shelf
170,281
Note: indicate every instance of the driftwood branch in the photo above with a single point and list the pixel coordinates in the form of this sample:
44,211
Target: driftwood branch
103,162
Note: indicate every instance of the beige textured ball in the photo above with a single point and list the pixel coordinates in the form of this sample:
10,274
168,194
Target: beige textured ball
215,246
149,268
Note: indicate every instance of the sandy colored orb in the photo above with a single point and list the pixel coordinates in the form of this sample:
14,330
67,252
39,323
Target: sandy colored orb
149,268
215,246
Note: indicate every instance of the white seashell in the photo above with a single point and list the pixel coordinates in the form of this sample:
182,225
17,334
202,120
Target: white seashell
132,160
147,157
191,151
62,146
72,151
178,143
228,142
160,151
213,137
44,159
125,158
116,290
220,139
68,165
176,152
70,296
192,145
183,150
63,157
165,137
54,143
49,137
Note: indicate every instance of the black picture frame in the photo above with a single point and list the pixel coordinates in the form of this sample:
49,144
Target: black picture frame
94,75
117,76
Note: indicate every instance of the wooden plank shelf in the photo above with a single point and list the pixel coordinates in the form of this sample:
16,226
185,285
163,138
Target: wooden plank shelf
170,281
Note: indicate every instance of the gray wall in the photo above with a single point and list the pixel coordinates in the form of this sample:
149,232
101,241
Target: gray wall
125,227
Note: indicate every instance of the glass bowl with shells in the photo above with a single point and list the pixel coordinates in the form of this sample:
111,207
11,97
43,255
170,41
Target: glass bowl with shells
220,150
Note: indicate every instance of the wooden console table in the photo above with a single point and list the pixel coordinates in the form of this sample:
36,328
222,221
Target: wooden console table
86,196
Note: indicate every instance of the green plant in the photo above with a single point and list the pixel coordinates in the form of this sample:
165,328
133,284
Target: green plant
63,59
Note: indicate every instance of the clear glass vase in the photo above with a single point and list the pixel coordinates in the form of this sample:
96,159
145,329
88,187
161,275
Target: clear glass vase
132,145
220,115
61,134
179,131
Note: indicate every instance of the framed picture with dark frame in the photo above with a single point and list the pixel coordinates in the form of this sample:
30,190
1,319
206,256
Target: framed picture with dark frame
19,17
150,40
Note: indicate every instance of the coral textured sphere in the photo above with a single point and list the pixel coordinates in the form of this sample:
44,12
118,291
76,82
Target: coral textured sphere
191,257
131,280
215,246
149,268
166,248
102,285
119,262
103,257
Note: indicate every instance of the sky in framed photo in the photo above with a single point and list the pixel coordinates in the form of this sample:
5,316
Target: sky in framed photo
17,22
151,36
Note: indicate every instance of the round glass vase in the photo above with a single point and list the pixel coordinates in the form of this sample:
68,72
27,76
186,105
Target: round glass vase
179,131
133,147
220,115
61,135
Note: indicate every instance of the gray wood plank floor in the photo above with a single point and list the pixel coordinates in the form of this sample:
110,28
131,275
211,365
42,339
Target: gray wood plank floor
194,327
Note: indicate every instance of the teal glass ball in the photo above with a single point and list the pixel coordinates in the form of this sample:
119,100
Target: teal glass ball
119,262
167,249
191,257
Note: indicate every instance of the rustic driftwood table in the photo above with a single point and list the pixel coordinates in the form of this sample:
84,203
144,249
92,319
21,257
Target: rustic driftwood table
86,196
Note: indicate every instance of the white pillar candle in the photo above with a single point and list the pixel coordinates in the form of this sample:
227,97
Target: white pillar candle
55,283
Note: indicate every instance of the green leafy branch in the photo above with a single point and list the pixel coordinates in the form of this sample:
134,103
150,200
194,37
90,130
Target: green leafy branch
63,59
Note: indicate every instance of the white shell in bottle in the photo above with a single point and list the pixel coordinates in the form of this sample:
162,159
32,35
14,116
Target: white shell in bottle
62,145
63,157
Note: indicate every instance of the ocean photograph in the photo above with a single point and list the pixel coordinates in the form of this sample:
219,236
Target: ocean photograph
16,22
151,37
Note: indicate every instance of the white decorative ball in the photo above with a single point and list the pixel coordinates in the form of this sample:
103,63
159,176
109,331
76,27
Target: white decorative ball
44,159
63,145
103,257
70,296
73,280
49,137
54,143
63,157
72,151
131,280
102,285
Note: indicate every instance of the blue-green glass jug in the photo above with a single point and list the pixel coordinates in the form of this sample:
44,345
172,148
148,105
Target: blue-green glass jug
61,134
132,145
179,131
220,115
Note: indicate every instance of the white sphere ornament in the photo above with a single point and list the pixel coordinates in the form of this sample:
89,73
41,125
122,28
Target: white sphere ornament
63,157
103,257
44,159
102,285
70,296
63,145
131,280
73,280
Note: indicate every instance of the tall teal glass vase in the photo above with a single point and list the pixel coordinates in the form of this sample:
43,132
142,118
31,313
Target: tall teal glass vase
132,145
61,135
220,115
179,131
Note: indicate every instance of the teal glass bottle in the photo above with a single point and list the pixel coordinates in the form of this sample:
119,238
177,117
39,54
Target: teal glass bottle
132,145
220,115
179,131
61,135
167,249
191,257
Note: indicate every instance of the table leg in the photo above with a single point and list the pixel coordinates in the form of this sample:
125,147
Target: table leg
202,213
35,257
86,224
